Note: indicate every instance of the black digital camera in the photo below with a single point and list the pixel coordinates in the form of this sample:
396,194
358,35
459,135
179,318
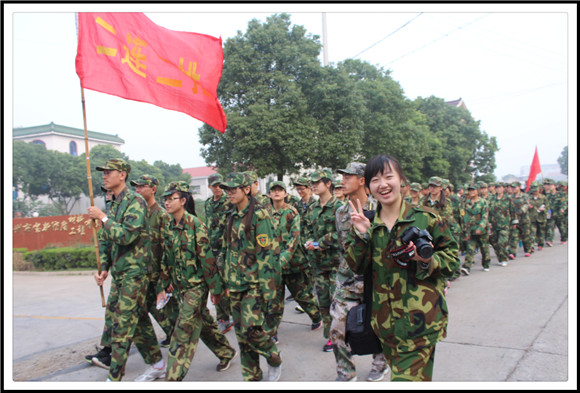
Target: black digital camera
422,240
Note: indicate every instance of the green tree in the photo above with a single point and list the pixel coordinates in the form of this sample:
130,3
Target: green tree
67,181
32,166
563,161
274,126
468,152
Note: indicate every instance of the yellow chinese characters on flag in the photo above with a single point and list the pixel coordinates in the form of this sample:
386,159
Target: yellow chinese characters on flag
127,55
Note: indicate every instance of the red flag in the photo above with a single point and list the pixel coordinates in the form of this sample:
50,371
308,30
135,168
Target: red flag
127,55
534,170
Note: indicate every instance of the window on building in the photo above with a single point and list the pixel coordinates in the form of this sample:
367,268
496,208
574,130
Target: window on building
196,189
38,142
72,148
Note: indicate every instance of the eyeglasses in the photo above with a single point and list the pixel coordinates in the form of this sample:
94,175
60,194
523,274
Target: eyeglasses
231,190
170,199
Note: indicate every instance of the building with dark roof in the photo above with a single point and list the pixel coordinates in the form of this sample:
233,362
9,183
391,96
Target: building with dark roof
65,139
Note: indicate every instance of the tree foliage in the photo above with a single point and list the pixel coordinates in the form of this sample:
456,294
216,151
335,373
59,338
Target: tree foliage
563,161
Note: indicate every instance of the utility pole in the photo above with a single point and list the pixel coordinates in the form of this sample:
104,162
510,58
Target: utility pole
324,41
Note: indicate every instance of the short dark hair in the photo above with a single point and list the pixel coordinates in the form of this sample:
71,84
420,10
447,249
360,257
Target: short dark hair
378,163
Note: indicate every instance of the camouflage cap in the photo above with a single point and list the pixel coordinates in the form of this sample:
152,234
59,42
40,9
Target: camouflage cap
302,181
215,179
354,168
435,181
253,176
404,184
415,187
548,181
145,180
563,183
481,184
515,184
277,184
176,186
499,184
460,187
425,185
236,179
534,187
445,183
321,174
115,164
472,186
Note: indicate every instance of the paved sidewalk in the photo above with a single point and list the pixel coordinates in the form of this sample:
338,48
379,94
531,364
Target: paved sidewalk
510,324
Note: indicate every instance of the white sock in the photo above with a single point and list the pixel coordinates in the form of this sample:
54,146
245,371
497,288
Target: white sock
159,365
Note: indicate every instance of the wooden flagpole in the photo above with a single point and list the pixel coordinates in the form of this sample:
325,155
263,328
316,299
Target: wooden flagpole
89,178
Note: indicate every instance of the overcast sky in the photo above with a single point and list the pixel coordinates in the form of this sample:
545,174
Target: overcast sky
514,66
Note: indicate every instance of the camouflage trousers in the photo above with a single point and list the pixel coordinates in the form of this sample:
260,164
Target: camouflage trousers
194,322
339,308
519,232
300,286
538,233
165,317
324,284
248,311
561,223
410,366
127,321
550,225
471,244
223,309
499,240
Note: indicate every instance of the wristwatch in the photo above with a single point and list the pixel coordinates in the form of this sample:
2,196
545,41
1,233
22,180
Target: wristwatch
105,219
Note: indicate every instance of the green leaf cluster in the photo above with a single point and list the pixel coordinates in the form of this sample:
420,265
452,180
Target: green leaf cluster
50,259
286,112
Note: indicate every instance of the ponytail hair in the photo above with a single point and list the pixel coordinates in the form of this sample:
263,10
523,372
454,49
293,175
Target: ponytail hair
189,202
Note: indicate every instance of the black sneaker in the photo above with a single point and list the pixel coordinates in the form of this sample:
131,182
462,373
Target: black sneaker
103,361
105,351
224,364
328,346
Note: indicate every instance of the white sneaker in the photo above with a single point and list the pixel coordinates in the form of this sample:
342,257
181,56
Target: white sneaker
377,375
503,263
151,374
486,269
274,373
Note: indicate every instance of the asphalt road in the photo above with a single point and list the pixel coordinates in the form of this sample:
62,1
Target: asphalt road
511,327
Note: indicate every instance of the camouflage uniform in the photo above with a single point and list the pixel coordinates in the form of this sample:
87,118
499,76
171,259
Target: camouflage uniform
538,213
347,294
158,219
521,223
295,267
476,218
561,220
216,213
261,198
126,235
500,219
414,187
253,277
409,310
193,272
322,220
551,196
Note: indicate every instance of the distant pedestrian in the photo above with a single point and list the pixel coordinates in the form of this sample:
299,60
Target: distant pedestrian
500,218
520,225
475,225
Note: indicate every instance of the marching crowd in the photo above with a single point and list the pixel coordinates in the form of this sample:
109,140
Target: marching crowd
165,262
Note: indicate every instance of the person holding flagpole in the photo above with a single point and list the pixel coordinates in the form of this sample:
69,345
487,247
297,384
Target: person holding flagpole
126,232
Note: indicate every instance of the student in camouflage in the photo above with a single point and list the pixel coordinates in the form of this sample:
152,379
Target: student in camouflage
126,232
414,197
561,207
551,196
193,272
296,274
500,218
538,210
350,286
146,186
217,208
520,229
475,225
261,198
322,241
409,311
253,275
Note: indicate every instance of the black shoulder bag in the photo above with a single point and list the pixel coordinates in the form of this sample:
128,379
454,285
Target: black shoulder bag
359,333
